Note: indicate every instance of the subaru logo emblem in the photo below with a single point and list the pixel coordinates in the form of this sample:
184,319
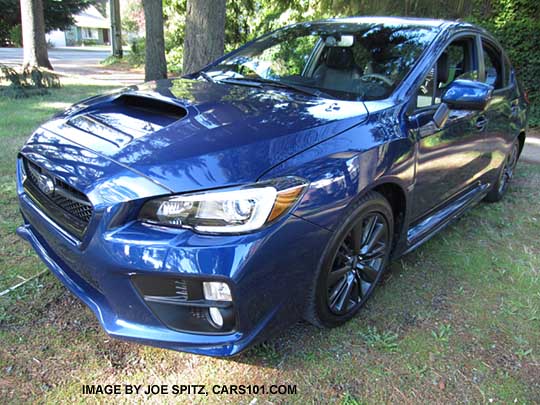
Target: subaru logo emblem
45,184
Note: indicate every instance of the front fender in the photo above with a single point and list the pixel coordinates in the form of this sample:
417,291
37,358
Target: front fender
344,168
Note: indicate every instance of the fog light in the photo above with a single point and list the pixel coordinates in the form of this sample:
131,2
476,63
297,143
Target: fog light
216,291
216,317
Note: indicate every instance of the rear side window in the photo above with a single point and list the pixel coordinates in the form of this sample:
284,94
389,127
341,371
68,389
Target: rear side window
493,70
507,72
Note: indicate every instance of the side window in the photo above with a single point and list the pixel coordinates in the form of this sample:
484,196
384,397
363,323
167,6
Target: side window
455,62
424,97
507,72
492,65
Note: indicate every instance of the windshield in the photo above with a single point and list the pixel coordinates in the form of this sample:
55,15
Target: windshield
349,61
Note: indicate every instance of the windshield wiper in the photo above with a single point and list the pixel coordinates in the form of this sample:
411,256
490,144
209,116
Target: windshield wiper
258,81
206,76
297,87
241,81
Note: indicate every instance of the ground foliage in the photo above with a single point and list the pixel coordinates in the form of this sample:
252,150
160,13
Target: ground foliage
29,82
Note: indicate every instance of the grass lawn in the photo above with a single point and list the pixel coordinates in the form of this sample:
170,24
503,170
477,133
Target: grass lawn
18,118
458,320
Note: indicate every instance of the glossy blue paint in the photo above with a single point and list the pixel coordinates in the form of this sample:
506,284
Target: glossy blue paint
217,135
467,95
224,124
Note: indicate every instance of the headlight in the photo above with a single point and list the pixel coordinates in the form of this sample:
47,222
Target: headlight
235,210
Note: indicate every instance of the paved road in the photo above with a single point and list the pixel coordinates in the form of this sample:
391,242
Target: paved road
57,55
77,61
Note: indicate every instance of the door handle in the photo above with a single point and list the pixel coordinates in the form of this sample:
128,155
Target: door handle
481,123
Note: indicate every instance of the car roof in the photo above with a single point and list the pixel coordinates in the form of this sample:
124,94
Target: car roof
427,22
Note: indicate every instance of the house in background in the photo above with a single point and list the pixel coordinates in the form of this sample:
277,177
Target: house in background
90,28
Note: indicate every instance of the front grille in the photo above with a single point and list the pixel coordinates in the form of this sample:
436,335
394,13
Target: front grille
66,206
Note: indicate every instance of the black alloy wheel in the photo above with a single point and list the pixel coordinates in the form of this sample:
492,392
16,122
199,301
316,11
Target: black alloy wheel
358,264
353,263
509,167
506,174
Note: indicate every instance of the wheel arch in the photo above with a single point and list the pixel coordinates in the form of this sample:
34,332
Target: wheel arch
521,138
396,197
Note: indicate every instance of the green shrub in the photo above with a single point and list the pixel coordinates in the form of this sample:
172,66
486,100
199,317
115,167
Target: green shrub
135,57
15,35
89,42
137,54
174,60
521,43
111,60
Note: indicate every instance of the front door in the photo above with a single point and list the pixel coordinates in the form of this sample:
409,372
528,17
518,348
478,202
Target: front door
449,159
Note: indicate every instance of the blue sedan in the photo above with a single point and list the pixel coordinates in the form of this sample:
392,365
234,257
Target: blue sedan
208,212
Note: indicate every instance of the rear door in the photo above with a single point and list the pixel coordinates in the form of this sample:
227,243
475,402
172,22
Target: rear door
502,112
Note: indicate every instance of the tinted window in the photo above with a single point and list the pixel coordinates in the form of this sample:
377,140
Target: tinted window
507,72
492,65
456,62
285,58
352,61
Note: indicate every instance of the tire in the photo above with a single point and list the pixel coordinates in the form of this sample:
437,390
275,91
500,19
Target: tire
506,172
352,263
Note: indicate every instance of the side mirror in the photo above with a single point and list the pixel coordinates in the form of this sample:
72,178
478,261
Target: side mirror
467,95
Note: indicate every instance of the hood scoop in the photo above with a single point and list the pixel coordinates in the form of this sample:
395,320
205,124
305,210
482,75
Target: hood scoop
127,117
151,105
190,135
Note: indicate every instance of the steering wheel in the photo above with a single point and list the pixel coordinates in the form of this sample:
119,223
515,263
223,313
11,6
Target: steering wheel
382,78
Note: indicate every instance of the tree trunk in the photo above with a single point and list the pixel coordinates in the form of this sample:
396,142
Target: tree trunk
116,28
33,34
205,33
155,64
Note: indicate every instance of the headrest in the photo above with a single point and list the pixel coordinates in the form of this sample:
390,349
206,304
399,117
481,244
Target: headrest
443,70
339,58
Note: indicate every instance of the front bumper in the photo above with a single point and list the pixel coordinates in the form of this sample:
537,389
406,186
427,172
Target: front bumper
269,273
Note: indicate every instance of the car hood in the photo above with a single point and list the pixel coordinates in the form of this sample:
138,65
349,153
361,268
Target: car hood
190,135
